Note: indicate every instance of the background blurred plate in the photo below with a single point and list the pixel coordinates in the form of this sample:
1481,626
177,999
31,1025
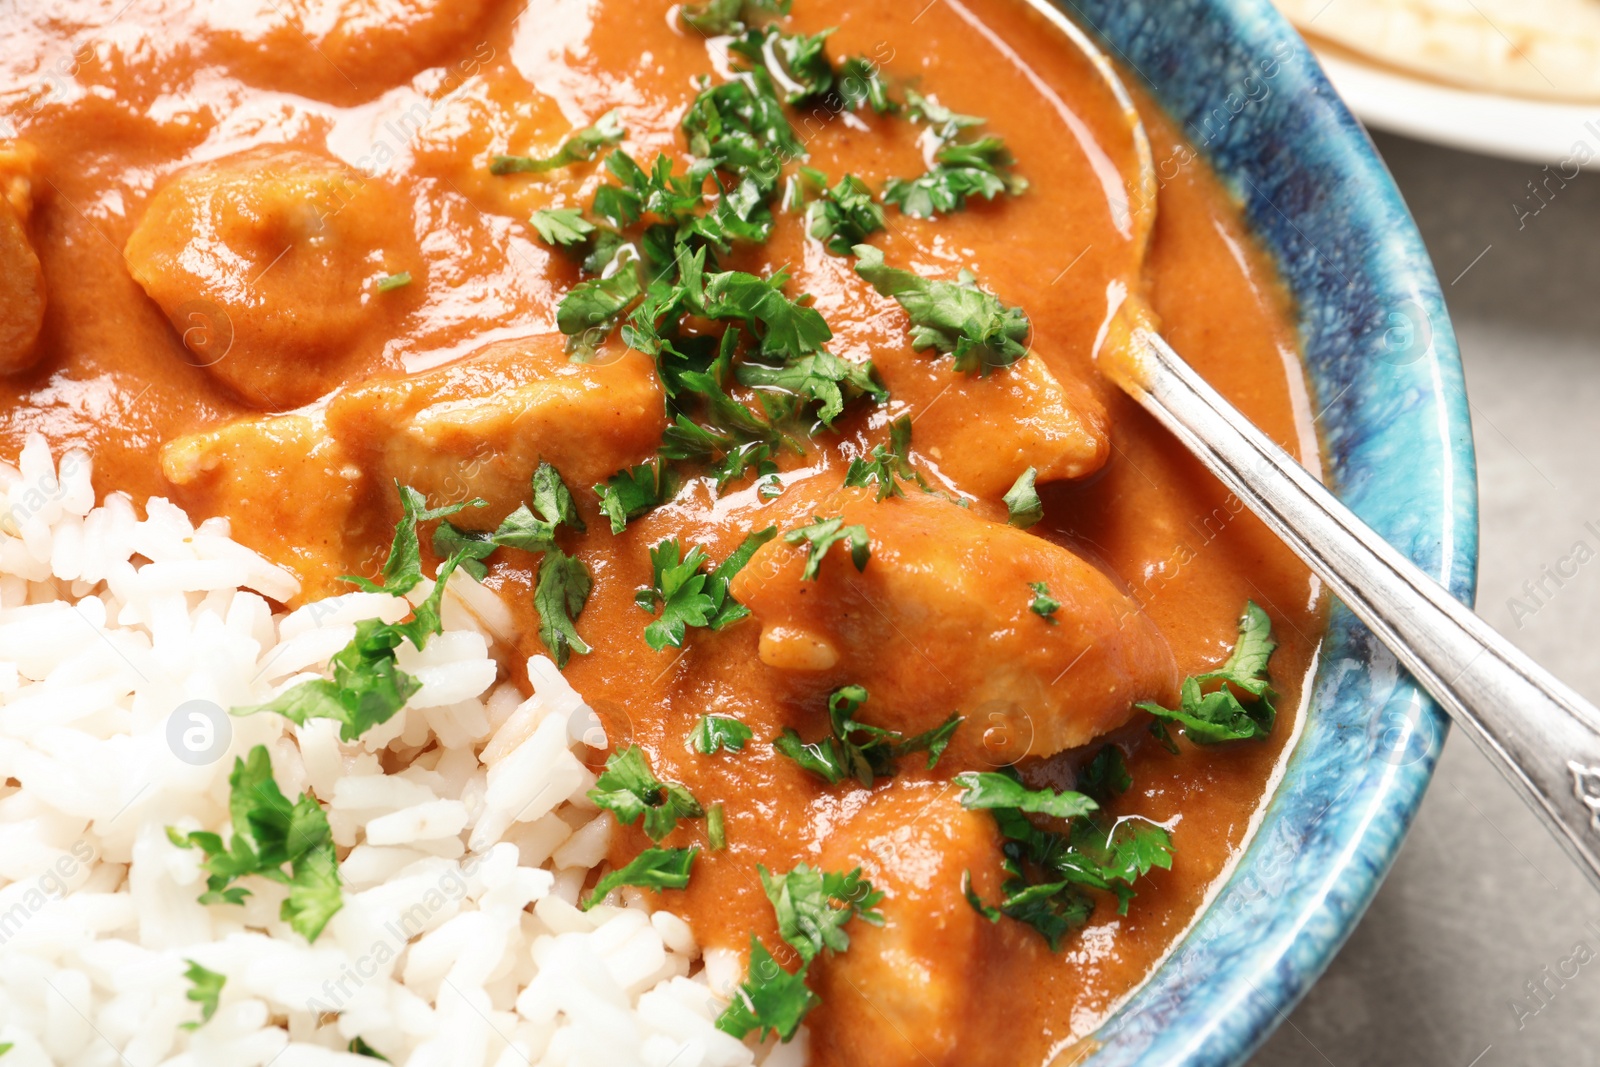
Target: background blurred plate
1564,136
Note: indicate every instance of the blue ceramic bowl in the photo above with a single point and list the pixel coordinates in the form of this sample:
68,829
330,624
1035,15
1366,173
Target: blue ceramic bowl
1397,443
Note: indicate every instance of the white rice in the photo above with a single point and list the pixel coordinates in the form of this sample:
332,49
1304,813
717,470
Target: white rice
459,941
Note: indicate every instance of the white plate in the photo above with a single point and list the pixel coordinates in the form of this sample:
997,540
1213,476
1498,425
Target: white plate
1565,136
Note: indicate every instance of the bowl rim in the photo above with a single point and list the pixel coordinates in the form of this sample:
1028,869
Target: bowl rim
1397,448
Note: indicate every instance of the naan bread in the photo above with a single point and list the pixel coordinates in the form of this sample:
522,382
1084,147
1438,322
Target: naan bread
1544,48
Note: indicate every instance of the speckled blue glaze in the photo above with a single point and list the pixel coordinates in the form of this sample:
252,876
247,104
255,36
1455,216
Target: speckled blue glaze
1386,375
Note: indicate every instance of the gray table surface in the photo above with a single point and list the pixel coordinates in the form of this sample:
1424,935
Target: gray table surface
1482,909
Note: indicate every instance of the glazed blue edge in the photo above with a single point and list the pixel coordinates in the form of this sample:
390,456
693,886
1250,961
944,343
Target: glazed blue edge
1386,376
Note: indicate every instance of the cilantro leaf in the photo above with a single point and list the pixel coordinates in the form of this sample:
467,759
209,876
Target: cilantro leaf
687,596
562,226
390,282
559,598
721,17
845,215
1211,717
402,568
361,1048
960,169
598,303
787,328
553,501
957,318
770,1000
581,147
988,789
654,868
205,989
821,378
629,790
1023,506
518,530
630,493
1047,872
796,61
884,466
860,84
822,535
741,124
269,833
1105,775
716,828
713,733
1043,604
813,907
860,750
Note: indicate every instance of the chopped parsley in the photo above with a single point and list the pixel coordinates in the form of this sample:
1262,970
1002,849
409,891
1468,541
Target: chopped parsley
860,750
844,215
957,318
559,597
629,790
367,687
822,535
813,907
713,733
961,168
402,568
686,595
270,834
654,868
716,828
1209,715
562,226
1105,775
630,493
1048,874
205,989
722,17
581,147
1043,604
359,1046
796,61
886,466
770,1000
390,282
1023,506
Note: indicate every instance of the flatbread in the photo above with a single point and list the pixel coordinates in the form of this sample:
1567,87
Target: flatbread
1540,48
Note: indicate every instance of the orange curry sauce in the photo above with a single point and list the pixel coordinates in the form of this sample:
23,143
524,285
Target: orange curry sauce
179,125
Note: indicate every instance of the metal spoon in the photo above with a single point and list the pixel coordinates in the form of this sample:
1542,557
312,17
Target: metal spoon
1541,735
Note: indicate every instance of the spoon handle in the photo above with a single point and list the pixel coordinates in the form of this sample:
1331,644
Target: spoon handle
1543,737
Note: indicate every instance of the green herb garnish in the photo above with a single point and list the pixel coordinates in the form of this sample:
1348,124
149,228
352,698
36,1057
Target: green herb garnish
270,834
713,733
822,535
956,318
686,595
1023,506
654,868
860,750
629,790
581,147
205,989
1043,604
1209,716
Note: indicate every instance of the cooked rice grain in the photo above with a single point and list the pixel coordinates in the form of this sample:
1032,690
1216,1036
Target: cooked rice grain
459,941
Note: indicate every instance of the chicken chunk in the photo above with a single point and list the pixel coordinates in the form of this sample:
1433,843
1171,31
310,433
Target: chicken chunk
480,426
342,50
940,621
982,433
289,489
22,292
267,264
903,993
